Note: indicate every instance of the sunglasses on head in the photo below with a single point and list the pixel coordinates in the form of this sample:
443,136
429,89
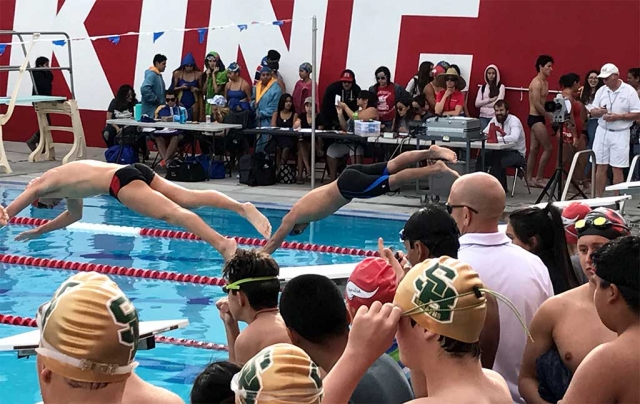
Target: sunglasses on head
450,208
236,285
600,222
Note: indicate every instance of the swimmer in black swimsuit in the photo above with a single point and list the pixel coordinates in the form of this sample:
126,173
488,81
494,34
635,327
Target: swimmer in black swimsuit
137,187
360,181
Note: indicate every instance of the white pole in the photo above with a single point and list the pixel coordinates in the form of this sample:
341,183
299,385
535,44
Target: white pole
314,39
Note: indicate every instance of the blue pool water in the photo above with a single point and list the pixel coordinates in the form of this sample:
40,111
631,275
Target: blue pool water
23,289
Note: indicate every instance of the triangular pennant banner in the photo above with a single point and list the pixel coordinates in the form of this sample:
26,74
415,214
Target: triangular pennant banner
278,22
201,33
157,35
60,42
2,48
242,27
115,39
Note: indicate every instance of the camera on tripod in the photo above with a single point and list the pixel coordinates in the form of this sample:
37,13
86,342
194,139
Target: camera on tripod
560,107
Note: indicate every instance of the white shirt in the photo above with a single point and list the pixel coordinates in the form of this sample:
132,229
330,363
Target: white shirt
514,132
521,277
622,101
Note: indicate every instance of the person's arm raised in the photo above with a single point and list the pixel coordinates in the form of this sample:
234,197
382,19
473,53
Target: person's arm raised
69,216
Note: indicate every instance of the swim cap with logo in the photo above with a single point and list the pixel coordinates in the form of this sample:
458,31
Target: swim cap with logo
280,373
89,330
570,215
443,296
372,280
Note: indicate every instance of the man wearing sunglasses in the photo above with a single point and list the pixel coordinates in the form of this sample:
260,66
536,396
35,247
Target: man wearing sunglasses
566,327
252,297
476,202
610,373
363,181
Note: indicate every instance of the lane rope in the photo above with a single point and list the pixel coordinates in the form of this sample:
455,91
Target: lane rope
191,343
47,263
184,235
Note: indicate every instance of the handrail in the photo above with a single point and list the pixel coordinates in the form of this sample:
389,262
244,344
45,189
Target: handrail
522,90
632,168
14,95
31,69
572,169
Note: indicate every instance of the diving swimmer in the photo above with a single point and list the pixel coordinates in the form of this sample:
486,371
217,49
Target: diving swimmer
137,187
362,181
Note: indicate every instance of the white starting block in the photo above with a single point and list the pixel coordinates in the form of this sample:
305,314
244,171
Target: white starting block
26,342
593,203
626,187
339,273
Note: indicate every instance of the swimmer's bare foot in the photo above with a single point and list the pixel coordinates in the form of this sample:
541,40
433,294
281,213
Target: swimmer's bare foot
441,167
4,217
437,152
257,219
227,248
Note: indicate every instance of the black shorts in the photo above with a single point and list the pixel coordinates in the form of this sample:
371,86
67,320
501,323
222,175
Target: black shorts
534,119
125,175
364,181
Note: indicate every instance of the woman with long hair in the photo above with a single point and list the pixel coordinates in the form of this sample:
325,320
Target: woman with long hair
490,92
284,117
587,93
406,113
121,107
541,232
424,76
388,94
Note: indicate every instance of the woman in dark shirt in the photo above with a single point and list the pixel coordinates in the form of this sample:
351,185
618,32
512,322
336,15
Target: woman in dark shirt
121,107
284,117
304,144
42,85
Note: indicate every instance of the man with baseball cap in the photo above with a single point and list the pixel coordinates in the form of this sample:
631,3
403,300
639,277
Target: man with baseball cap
617,105
348,90
566,327
88,340
610,373
439,313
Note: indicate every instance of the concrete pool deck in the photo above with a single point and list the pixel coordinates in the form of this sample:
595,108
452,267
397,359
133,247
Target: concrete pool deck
276,196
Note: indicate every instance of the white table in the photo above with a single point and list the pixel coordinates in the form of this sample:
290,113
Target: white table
198,127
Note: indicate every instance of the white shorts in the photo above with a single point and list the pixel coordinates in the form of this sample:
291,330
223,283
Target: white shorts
611,147
338,150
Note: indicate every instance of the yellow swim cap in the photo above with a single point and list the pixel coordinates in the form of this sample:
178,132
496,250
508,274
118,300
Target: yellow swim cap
443,296
280,373
89,330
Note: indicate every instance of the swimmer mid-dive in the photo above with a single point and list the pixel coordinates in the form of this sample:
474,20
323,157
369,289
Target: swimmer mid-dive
137,187
360,181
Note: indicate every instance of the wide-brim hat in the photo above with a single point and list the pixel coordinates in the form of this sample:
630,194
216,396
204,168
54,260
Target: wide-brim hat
461,83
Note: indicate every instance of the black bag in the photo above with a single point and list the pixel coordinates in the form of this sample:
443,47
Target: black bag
287,174
262,172
244,167
189,170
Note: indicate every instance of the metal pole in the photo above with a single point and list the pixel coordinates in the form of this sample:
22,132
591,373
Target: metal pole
314,31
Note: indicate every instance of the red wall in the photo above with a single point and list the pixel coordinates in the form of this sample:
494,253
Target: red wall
579,35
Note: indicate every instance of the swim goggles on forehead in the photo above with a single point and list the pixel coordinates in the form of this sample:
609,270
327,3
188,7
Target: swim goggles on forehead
236,285
284,396
600,222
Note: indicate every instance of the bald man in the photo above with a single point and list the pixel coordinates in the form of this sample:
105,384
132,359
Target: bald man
476,203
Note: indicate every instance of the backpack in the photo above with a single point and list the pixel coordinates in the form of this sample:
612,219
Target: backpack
257,170
121,154
190,170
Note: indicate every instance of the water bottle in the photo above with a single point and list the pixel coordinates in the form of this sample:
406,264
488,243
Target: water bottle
137,112
183,115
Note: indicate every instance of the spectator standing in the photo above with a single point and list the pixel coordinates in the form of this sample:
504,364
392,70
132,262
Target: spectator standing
153,87
617,105
490,92
587,93
424,76
187,81
633,78
265,98
214,78
237,91
387,93
302,90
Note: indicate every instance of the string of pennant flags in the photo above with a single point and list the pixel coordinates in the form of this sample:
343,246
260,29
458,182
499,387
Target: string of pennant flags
115,38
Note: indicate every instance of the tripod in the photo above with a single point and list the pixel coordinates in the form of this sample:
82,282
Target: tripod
555,182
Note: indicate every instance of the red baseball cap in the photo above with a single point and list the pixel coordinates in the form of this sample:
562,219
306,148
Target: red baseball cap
347,76
570,215
372,280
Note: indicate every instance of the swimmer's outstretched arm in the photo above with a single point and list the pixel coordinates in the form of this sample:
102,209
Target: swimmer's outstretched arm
69,216
288,223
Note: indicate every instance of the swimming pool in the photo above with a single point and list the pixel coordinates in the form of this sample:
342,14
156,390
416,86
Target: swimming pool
23,289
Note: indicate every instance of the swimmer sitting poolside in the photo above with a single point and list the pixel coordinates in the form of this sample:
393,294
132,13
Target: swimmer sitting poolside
137,187
360,181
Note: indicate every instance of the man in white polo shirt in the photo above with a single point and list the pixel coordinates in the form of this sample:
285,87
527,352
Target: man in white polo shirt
617,105
508,129
476,203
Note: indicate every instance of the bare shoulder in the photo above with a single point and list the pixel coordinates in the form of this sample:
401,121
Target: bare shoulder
140,391
498,381
535,84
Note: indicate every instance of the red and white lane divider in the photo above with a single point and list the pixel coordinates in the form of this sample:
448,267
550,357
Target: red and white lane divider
30,322
183,235
111,270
